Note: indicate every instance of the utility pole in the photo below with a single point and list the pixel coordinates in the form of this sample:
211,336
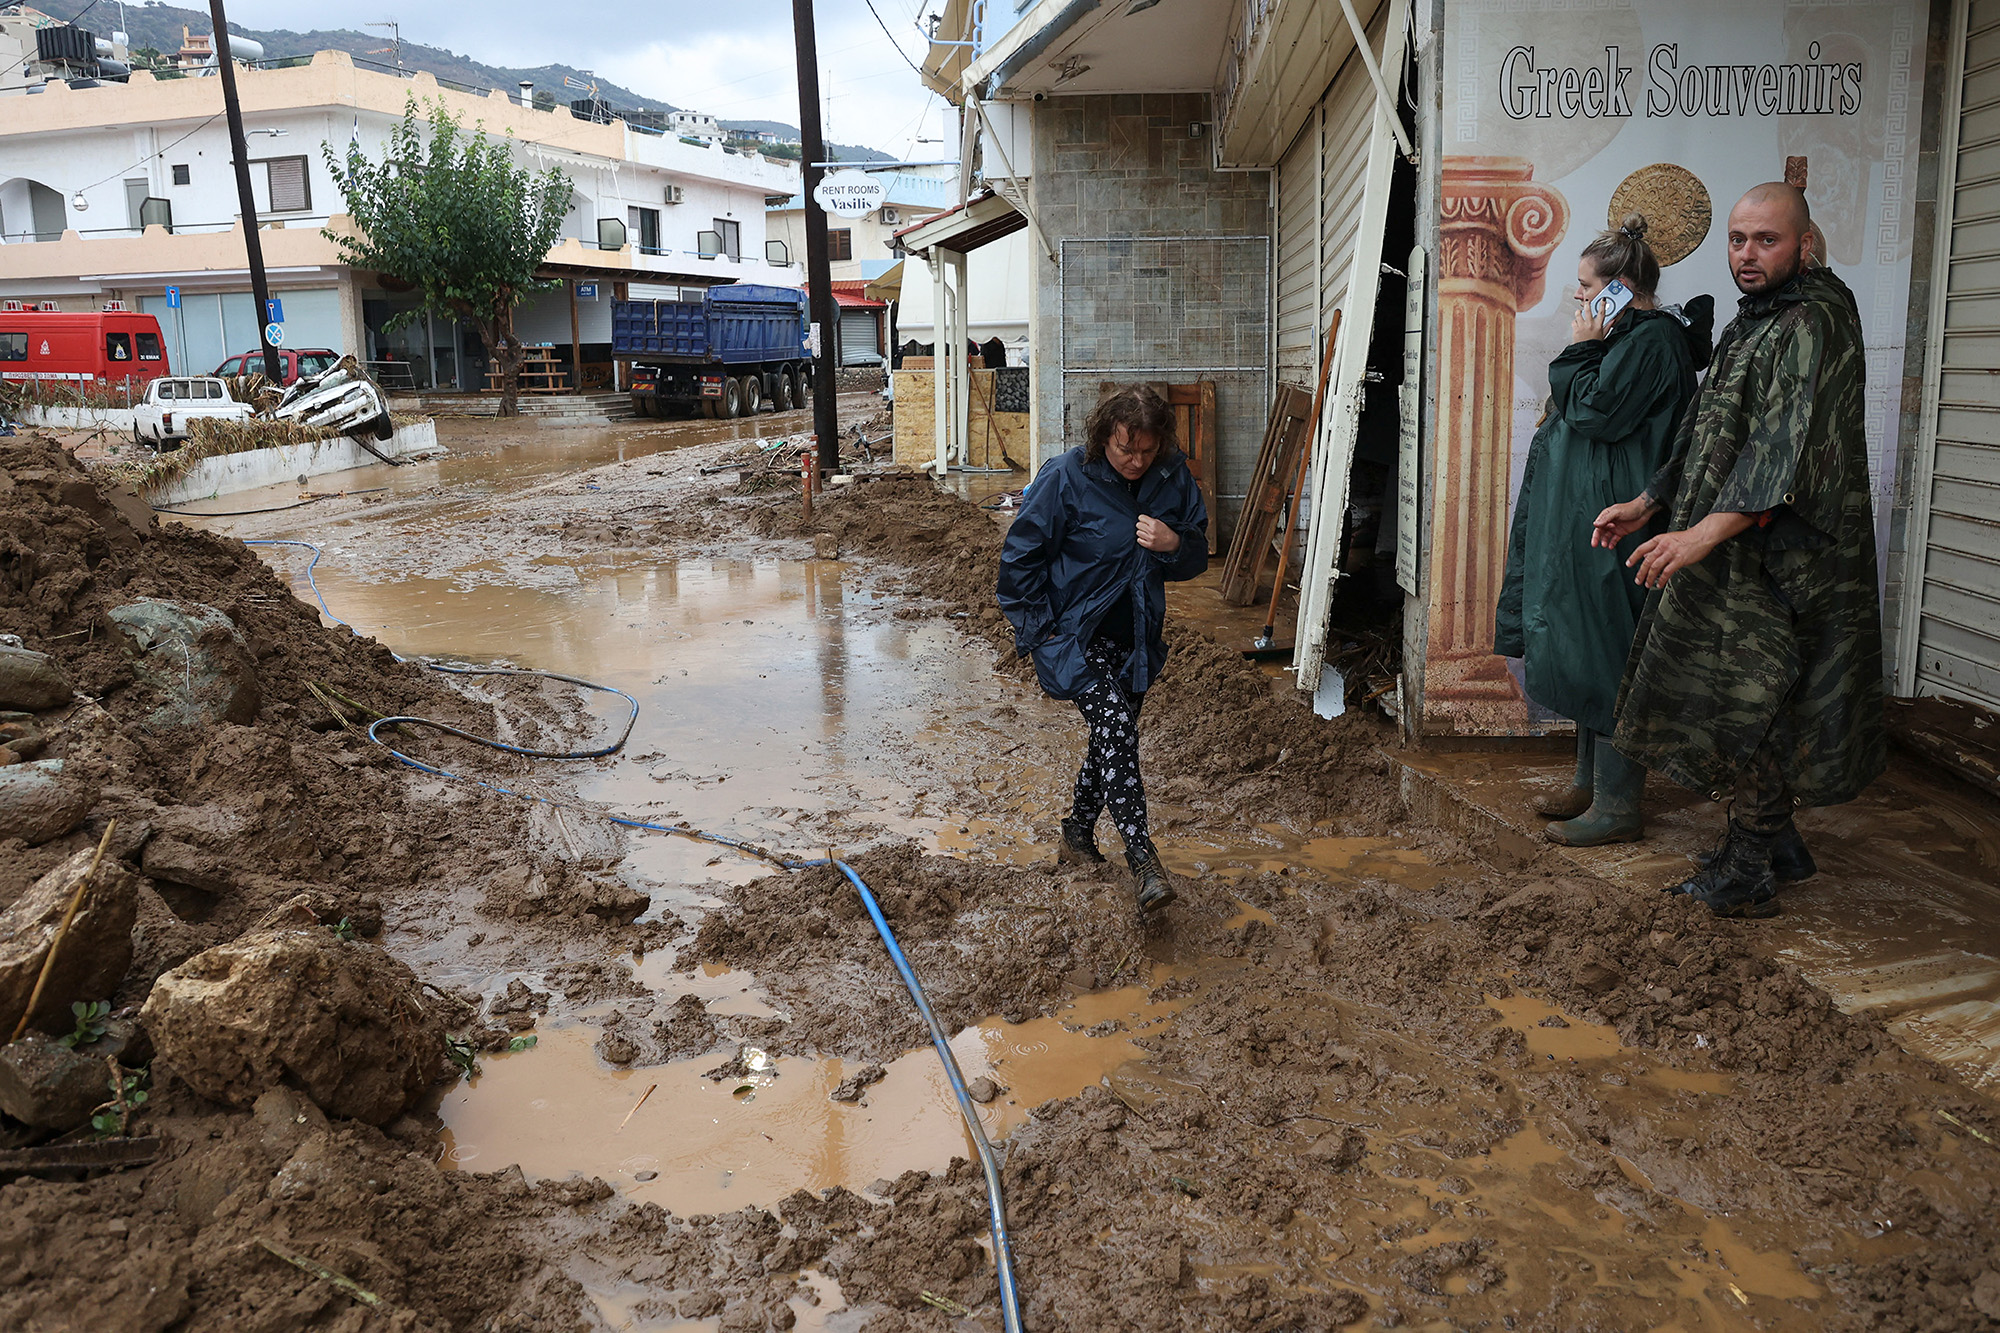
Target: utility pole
246,201
819,275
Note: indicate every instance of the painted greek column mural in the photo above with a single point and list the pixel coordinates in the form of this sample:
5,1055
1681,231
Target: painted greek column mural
1499,227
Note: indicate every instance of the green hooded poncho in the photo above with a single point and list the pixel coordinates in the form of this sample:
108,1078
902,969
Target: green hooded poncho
1567,608
1777,635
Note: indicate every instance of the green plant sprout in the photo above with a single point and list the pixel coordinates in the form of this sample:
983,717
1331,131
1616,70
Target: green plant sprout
90,1023
128,1093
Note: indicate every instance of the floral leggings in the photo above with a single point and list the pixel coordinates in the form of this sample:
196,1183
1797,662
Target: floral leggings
1110,772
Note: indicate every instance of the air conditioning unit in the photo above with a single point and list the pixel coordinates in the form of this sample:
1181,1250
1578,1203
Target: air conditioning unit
113,307
891,217
675,194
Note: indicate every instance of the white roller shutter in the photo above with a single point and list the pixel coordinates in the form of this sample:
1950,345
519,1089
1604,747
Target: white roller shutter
1298,256
1952,610
857,338
1348,113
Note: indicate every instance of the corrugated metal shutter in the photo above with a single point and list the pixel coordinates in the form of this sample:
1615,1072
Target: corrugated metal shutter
857,338
1958,627
1298,256
1348,114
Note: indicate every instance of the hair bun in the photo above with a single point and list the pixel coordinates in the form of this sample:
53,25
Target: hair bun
1633,225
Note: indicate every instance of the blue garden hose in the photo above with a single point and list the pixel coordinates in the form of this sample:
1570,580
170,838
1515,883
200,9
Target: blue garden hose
1003,1258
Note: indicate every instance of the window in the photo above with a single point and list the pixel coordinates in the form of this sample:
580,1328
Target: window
316,363
289,186
165,391
732,237
181,176
118,346
13,347
233,366
213,390
645,225
149,346
840,244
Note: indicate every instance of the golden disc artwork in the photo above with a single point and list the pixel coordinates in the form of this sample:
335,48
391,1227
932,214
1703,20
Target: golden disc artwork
1676,206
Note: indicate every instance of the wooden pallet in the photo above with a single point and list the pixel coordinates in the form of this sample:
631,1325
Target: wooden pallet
1285,436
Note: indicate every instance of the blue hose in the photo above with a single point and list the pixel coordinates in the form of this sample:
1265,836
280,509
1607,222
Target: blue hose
996,1212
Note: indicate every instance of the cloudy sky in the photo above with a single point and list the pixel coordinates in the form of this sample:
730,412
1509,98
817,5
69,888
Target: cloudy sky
733,59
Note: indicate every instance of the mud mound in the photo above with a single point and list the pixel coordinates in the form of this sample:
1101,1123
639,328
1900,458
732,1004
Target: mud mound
1215,728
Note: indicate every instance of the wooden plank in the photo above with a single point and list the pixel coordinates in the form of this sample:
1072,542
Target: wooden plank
1285,435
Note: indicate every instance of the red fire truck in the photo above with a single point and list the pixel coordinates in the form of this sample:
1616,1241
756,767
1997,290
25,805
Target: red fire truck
109,347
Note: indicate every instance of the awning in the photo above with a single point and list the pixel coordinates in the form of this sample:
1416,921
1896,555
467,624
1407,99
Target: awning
888,287
981,220
850,295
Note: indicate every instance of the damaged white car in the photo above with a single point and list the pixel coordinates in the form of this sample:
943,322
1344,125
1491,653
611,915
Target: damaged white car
342,399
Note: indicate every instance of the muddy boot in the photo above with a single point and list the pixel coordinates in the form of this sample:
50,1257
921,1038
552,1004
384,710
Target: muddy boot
1569,804
1614,814
1791,862
1738,881
1079,844
1149,879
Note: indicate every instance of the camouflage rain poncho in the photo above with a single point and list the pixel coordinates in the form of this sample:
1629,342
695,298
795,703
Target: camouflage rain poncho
1778,634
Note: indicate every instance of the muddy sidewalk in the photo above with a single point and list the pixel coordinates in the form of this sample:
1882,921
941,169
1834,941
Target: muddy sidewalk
1355,1077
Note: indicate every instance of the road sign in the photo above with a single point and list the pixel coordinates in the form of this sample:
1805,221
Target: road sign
274,310
173,298
274,334
586,291
851,194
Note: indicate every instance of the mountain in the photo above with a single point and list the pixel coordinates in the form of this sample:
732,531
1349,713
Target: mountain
159,26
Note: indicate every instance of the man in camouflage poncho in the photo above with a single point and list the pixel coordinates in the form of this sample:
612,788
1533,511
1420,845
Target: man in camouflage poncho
1757,668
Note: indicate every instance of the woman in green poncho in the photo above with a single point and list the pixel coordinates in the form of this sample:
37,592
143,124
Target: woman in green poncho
1616,396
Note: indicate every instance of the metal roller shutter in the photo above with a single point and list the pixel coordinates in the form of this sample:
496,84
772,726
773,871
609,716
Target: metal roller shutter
1298,256
1348,114
857,338
1955,620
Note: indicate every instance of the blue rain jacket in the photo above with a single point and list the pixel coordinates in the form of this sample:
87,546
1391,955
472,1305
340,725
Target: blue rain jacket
1072,553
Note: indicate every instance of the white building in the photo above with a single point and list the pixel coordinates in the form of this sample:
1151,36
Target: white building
126,191
695,125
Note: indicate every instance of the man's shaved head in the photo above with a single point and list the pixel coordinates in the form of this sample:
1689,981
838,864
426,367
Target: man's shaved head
1789,200
1770,237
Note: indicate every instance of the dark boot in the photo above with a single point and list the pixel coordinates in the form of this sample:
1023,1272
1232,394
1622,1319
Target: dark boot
1569,804
1791,862
1614,814
1079,844
1737,880
1149,879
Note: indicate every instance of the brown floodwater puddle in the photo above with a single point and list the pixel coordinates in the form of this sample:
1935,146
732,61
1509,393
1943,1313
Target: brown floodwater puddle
667,1135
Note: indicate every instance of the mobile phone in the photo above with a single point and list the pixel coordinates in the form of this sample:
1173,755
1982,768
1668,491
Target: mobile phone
1609,302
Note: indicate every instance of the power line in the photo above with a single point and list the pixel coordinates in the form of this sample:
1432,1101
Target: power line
885,32
159,153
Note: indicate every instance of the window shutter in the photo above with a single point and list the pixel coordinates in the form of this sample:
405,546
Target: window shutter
288,185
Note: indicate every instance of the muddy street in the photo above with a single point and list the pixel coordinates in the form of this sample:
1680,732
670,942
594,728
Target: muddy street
1355,1077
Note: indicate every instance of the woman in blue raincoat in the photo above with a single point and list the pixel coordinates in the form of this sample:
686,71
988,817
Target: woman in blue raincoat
1083,580
1567,609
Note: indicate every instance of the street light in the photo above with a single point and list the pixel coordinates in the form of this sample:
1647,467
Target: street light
79,203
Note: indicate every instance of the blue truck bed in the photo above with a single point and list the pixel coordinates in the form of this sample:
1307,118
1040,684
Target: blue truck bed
731,325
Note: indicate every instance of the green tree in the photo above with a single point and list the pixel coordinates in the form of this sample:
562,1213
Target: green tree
451,214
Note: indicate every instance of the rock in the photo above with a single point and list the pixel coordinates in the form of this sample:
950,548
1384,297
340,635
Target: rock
94,955
176,862
42,800
31,680
50,1086
194,656
1986,1294
20,735
982,1090
339,1020
860,1081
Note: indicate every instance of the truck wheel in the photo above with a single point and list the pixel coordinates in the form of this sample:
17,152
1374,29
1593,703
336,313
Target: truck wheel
782,391
799,383
753,394
730,405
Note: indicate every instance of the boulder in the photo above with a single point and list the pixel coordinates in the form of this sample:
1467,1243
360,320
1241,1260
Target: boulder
94,956
194,656
177,862
42,800
50,1086
339,1020
31,680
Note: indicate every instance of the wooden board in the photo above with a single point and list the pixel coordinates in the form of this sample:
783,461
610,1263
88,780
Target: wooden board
1285,435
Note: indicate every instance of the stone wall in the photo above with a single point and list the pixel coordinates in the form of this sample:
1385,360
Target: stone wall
1125,166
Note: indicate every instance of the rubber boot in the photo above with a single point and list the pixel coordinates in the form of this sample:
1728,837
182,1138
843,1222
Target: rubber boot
1791,862
1079,844
1150,880
1738,881
1614,814
1569,804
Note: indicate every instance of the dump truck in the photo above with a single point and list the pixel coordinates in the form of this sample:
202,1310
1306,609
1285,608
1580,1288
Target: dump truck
727,355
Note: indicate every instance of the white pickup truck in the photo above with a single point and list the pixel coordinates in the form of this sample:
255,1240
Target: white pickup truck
172,402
